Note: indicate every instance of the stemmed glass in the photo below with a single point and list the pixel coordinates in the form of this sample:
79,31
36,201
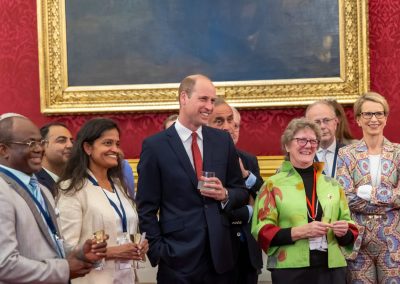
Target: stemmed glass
138,238
99,234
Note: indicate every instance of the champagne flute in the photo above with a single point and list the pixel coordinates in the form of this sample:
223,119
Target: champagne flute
99,235
138,238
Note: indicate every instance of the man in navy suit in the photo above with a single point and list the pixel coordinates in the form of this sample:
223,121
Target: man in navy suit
56,153
190,238
247,253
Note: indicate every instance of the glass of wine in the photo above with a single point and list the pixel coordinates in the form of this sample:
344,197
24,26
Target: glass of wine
137,238
99,234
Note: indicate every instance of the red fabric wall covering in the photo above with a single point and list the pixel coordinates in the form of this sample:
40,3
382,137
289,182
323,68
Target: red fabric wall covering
261,129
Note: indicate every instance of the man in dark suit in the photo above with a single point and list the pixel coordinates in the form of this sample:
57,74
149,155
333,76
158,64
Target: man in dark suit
247,253
56,153
190,239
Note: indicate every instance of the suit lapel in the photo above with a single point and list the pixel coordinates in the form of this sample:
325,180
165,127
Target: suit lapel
207,150
32,206
177,146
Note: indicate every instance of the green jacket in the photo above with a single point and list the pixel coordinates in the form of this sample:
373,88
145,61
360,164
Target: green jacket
281,203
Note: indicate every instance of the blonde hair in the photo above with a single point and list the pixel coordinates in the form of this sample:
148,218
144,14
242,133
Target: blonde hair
371,97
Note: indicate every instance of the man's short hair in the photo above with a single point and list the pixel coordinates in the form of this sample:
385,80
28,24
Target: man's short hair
219,101
44,130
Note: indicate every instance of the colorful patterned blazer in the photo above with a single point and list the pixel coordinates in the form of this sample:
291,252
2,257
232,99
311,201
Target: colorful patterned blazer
353,171
281,203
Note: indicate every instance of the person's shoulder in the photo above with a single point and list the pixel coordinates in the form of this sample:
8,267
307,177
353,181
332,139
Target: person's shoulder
162,135
246,155
214,132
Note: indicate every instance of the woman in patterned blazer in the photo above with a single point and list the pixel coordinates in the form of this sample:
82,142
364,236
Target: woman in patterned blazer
368,170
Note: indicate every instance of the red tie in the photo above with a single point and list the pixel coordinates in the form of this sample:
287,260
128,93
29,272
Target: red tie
197,161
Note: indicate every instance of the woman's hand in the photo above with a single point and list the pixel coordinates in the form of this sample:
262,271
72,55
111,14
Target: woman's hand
340,228
128,251
310,230
143,248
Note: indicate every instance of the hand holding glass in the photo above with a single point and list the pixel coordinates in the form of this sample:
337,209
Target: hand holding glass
99,235
138,239
205,174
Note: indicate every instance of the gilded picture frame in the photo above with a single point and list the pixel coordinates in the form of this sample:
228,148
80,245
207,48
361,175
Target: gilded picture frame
59,97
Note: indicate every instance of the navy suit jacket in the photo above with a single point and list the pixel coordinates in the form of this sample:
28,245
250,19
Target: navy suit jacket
45,179
189,227
240,217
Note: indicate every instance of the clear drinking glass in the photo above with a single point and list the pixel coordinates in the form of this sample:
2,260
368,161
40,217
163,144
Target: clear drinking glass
138,238
205,174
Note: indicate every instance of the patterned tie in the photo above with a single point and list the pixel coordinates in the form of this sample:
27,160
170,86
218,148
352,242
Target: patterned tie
197,160
36,191
325,160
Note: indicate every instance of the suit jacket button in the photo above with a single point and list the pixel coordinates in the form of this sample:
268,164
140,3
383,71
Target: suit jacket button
206,206
238,234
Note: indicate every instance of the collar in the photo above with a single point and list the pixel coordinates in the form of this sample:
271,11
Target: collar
184,132
53,175
387,146
331,148
23,177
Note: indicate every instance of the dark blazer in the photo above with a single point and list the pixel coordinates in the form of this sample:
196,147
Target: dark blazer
190,228
45,179
250,163
240,217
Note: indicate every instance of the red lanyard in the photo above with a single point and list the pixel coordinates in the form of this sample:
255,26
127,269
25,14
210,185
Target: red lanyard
311,205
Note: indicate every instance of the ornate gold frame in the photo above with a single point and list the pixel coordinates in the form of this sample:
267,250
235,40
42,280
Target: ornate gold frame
59,98
268,165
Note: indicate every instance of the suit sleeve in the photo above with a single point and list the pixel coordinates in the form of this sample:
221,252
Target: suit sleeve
255,170
148,200
238,194
15,268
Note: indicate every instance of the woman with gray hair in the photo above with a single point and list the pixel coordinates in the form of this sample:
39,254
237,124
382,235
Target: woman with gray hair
301,217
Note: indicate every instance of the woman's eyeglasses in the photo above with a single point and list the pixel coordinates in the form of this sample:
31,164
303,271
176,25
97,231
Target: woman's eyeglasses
369,115
303,142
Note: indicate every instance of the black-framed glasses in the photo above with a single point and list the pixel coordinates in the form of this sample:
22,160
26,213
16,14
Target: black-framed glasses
303,142
32,144
369,115
325,120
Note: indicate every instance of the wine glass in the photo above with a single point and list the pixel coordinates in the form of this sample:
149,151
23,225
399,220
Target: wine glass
99,234
138,238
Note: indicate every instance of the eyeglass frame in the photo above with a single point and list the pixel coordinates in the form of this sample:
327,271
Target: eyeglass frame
32,144
324,121
363,113
316,141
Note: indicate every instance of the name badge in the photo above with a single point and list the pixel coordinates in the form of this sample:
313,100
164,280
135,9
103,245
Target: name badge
318,243
123,238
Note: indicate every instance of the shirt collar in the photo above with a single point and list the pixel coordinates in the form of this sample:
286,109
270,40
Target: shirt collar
184,132
53,175
23,177
331,148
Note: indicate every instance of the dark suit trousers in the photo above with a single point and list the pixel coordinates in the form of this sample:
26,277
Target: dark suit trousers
203,274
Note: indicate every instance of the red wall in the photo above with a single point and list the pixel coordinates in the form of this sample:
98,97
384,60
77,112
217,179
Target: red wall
261,129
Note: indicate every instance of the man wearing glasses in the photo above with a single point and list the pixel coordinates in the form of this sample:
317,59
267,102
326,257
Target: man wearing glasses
57,150
32,250
323,114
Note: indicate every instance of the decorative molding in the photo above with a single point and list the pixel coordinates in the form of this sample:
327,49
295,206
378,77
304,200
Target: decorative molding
268,165
58,98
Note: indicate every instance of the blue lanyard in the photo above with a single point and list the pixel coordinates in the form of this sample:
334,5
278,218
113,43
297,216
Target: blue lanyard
42,210
122,214
334,161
